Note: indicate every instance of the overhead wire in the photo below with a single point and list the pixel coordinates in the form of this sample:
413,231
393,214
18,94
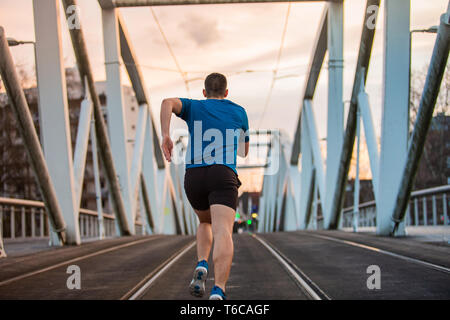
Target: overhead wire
230,72
169,47
275,71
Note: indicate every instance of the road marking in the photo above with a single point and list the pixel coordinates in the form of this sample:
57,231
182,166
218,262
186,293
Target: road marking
293,272
152,277
392,254
61,264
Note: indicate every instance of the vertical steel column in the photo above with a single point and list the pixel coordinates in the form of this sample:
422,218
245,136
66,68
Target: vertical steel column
272,203
2,247
416,212
408,216
12,222
312,194
335,126
444,207
175,186
315,149
356,186
306,174
164,209
116,110
424,211
98,191
295,178
53,111
23,221
281,181
42,219
433,202
33,223
267,194
149,173
262,205
314,218
395,118
315,205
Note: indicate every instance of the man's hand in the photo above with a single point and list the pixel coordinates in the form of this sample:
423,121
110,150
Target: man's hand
167,147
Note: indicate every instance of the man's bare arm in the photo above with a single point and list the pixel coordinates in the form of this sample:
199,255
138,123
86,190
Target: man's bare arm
243,149
168,106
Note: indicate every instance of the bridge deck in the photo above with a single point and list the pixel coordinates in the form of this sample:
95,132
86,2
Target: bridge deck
333,264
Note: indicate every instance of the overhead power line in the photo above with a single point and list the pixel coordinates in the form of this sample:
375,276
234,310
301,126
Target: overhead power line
275,71
230,72
183,74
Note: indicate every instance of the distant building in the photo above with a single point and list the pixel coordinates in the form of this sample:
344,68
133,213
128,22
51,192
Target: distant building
16,177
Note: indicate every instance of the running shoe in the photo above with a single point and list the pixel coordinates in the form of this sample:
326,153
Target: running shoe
217,294
197,286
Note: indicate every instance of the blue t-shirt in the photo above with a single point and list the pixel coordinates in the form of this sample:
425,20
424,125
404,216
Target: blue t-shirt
216,127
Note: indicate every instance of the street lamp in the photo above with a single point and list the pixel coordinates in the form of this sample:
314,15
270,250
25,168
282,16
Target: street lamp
13,42
432,29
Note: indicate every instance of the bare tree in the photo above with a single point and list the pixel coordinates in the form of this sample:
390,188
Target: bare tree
14,173
433,166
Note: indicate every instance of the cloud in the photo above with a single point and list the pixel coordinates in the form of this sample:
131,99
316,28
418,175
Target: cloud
202,30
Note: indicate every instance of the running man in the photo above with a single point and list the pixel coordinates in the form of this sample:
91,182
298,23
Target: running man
218,131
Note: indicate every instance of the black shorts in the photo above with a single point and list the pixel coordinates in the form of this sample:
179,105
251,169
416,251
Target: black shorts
215,184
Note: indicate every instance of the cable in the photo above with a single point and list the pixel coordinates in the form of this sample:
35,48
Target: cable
183,74
275,71
229,72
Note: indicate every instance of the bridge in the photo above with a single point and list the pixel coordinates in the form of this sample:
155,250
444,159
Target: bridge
300,234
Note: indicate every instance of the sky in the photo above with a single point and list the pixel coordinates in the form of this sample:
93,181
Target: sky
231,39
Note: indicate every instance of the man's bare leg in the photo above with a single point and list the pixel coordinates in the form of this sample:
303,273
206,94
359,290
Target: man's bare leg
204,243
204,234
222,229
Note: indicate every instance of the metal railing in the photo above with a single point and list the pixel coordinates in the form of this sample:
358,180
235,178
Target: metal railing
23,219
427,207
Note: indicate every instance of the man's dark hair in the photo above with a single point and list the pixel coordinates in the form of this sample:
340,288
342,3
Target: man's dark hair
215,85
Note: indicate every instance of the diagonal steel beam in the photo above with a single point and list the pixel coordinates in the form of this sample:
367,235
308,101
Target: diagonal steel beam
147,206
138,152
33,147
424,117
137,81
139,3
81,145
365,50
315,147
371,141
319,50
84,67
310,199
